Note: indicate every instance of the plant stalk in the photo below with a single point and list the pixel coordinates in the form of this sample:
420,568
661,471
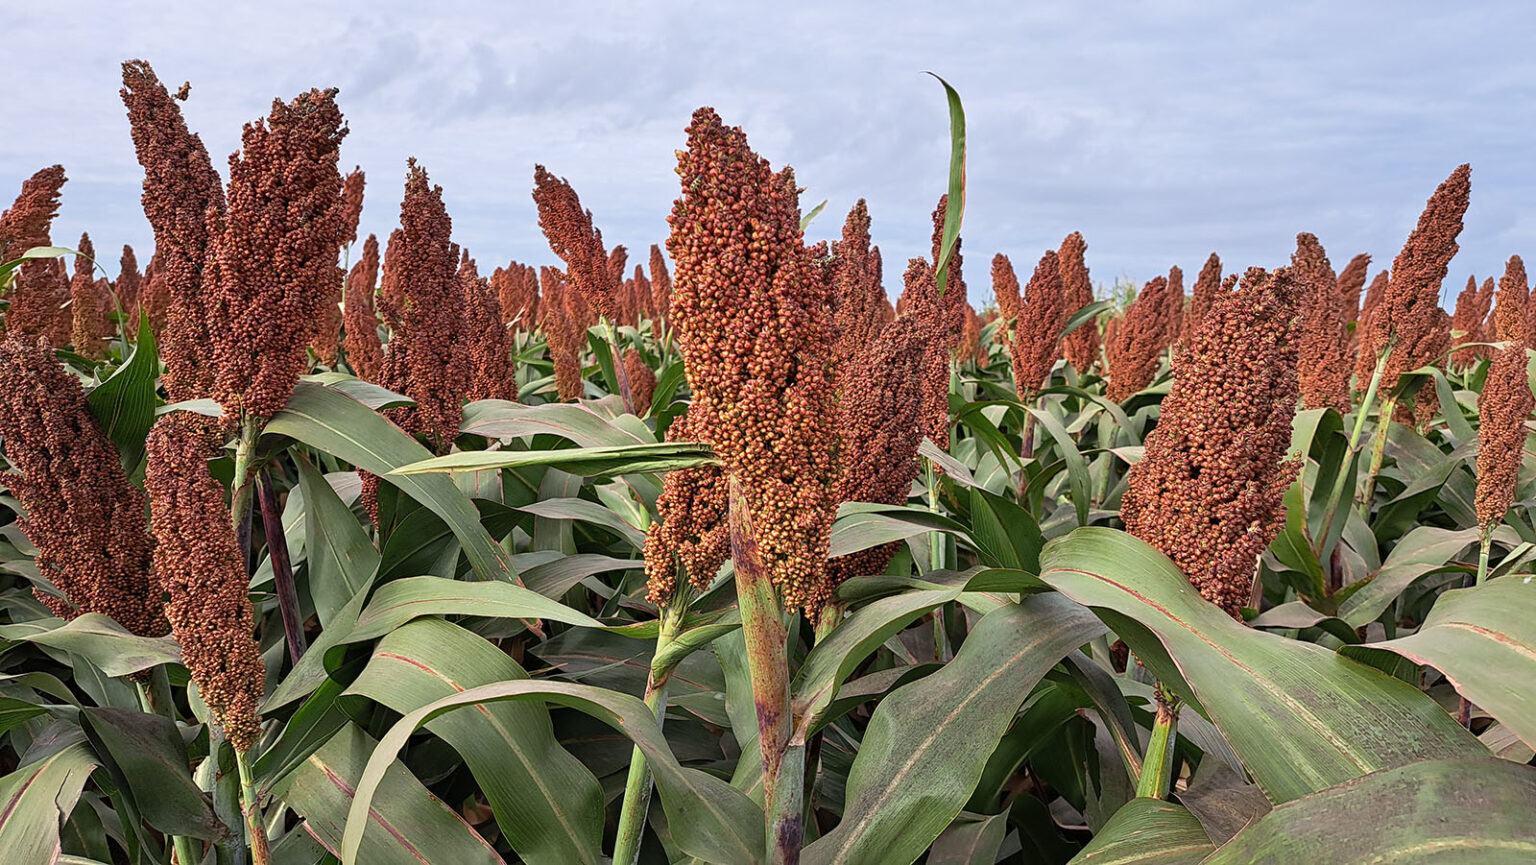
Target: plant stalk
1157,769
936,562
762,625
240,486
282,568
619,372
250,808
1378,454
1464,715
637,789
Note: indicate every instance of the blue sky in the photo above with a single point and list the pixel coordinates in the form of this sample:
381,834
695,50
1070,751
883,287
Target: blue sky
1162,130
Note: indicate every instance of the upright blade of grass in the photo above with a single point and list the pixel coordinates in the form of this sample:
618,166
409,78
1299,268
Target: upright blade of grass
955,212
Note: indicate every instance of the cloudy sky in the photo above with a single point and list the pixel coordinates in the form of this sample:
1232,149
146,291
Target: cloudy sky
1162,130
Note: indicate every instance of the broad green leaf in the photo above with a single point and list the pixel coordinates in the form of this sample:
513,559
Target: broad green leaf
1148,832
342,560
400,601
409,825
928,742
1484,640
1419,553
707,818
98,639
972,838
1077,467
1467,810
862,525
548,804
1005,533
150,757
124,404
815,212
587,511
588,462
34,798
331,421
1301,718
834,658
573,422
366,392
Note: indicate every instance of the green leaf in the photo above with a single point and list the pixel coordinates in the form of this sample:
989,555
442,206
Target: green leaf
862,525
1005,533
587,511
955,212
815,212
150,758
124,404
410,826
1301,718
1469,810
972,838
707,818
400,601
1419,553
574,422
366,392
546,802
1484,640
342,560
1148,832
98,639
1086,315
588,462
1077,467
928,742
333,422
34,798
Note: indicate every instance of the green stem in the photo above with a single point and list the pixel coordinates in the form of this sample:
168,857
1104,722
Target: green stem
1157,768
1378,454
250,808
936,562
155,699
1482,553
767,641
637,789
240,485
225,788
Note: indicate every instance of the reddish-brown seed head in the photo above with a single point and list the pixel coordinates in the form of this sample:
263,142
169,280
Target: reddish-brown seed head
1081,346
90,304
82,514
272,259
182,199
1005,289
1515,289
1037,333
421,302
572,236
1503,407
689,537
1323,360
489,343
1206,290
1472,307
129,287
856,289
1135,352
563,334
1352,282
642,380
661,282
41,289
1209,492
751,310
1175,303
351,206
200,567
365,351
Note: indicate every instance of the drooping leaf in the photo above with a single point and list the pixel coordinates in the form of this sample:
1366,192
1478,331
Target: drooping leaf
1467,810
548,804
928,741
706,817
595,462
337,424
408,825
124,404
1484,640
98,639
1148,832
34,798
150,757
1301,718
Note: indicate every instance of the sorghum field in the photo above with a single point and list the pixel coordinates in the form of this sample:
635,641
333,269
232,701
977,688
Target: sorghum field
317,548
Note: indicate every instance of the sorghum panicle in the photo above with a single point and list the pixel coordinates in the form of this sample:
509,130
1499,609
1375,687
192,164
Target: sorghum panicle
90,304
82,514
880,398
573,237
1472,307
1351,283
1204,293
351,205
661,282
562,333
1037,331
1135,351
128,287
421,302
365,351
1005,288
642,380
1081,346
1209,491
856,289
1503,407
488,341
1175,304
272,259
201,568
1323,359
182,199
751,311
690,534
41,287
